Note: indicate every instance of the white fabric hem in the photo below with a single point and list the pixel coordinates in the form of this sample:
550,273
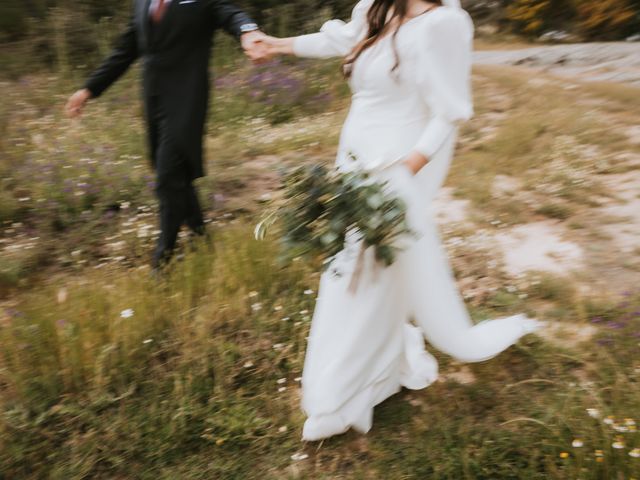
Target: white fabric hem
416,369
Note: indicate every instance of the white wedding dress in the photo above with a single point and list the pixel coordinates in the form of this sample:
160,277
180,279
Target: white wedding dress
363,346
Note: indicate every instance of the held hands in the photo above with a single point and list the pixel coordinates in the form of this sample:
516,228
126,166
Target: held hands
254,46
260,47
278,46
76,103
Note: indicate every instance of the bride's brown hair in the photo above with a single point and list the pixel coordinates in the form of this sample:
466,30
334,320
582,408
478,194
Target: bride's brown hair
382,14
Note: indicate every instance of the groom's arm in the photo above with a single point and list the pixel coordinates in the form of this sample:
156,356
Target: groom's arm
236,22
123,55
231,18
121,58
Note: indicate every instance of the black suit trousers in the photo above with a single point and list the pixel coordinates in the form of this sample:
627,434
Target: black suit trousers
177,196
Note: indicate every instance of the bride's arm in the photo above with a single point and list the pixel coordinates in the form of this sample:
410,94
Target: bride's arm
335,39
280,46
444,77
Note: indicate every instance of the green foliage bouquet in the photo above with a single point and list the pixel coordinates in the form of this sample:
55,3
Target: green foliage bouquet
322,205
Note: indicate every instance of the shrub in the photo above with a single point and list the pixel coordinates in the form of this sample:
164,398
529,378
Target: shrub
606,19
533,17
591,19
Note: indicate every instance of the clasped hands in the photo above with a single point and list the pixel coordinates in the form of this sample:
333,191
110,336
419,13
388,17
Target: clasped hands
260,47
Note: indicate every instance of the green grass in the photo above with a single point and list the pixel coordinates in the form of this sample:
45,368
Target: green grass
555,210
187,387
169,379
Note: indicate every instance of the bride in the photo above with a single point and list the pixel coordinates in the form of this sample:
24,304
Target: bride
408,63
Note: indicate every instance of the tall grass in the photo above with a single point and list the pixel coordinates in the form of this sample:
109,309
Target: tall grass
175,356
120,375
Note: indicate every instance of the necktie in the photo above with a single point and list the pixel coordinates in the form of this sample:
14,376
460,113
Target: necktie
159,11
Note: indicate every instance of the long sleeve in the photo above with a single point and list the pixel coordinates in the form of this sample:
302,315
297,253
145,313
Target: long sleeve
336,38
444,76
229,16
123,55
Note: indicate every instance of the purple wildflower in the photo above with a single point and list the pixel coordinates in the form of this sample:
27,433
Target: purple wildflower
615,325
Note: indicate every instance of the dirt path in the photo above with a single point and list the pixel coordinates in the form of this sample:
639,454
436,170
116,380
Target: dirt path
596,62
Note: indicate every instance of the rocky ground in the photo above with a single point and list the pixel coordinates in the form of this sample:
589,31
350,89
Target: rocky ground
598,62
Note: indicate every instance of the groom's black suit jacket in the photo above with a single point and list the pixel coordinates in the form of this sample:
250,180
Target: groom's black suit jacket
175,54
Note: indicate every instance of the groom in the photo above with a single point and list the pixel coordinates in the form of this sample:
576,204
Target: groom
174,39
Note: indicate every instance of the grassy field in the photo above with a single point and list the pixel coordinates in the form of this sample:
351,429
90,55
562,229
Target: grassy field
107,373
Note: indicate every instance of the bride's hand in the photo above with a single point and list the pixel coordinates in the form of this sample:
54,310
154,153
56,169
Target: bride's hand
278,46
415,161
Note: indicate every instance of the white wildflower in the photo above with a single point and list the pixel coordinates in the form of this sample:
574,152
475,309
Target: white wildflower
62,295
256,307
593,412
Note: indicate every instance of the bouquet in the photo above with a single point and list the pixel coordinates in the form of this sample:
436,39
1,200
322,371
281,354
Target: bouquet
322,205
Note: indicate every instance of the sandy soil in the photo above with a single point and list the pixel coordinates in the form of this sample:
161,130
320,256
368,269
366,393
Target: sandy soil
624,211
538,246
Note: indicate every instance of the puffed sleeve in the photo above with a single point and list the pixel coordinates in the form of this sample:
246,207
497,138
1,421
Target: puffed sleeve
444,76
336,38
